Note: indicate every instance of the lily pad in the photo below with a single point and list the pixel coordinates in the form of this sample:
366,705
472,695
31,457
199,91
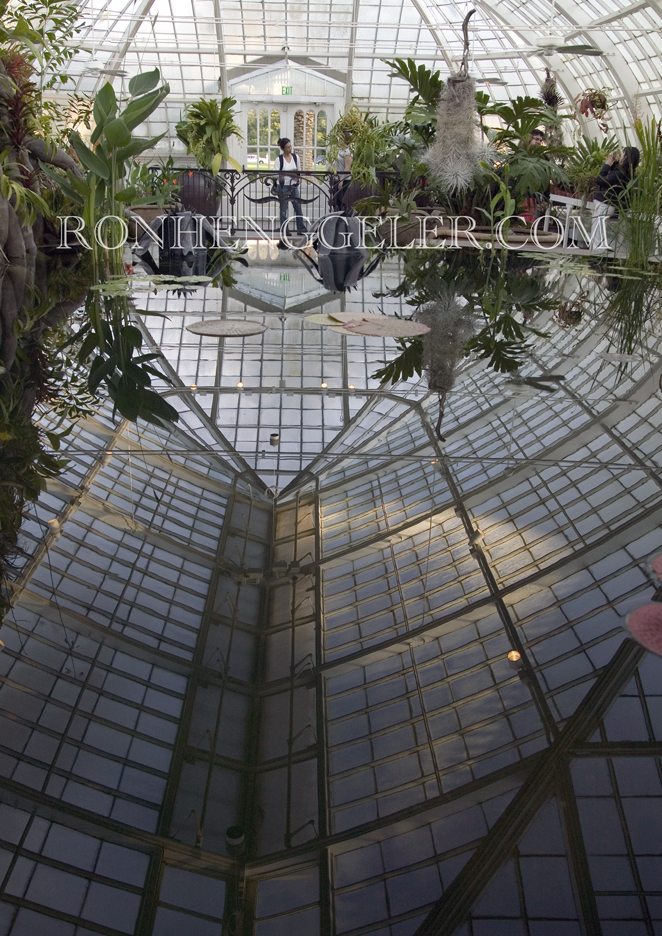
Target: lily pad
388,327
229,328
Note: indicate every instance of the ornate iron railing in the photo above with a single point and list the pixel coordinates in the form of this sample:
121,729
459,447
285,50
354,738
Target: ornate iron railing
248,201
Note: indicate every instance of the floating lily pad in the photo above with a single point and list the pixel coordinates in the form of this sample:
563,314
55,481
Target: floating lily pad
387,327
125,285
346,317
320,318
228,328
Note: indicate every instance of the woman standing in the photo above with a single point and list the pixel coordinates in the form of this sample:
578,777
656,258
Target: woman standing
610,194
287,187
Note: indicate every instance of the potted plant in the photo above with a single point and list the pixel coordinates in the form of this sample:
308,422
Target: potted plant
205,129
157,192
585,162
594,103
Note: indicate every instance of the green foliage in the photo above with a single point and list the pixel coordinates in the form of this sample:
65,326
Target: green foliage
389,197
584,163
108,331
426,84
405,365
370,144
637,302
421,113
44,28
206,128
533,172
107,159
152,185
119,364
520,117
25,201
25,465
505,292
56,121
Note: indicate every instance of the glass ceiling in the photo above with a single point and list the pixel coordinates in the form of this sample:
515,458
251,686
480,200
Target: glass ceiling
201,45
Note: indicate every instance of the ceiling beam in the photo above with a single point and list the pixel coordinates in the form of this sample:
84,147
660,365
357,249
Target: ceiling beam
124,46
220,45
349,83
453,909
434,31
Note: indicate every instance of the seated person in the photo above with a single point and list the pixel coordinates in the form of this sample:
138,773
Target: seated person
610,193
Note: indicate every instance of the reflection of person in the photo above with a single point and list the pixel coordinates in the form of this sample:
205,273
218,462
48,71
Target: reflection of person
287,186
611,185
344,163
343,169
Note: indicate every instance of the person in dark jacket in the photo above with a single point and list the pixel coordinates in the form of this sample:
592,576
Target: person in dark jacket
611,192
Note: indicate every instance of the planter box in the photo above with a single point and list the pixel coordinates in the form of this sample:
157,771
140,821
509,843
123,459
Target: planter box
198,192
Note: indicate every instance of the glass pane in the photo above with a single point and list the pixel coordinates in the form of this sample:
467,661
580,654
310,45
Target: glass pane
309,150
275,127
321,129
264,134
251,137
297,141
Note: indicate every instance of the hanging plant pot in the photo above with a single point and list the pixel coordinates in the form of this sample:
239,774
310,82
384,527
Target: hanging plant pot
594,103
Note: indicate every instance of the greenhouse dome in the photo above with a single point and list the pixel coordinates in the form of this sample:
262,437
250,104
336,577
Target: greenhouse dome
330,539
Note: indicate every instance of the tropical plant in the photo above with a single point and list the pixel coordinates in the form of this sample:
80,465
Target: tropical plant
585,161
57,120
594,102
43,29
420,117
121,365
370,144
206,128
104,191
637,300
108,336
503,293
154,185
552,98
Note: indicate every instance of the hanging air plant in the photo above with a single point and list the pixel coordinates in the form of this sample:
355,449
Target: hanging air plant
450,325
454,159
594,103
549,91
552,97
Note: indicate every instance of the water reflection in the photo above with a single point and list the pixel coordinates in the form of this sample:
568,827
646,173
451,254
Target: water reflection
42,389
81,343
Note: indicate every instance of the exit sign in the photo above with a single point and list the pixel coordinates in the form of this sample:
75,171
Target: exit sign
284,277
286,89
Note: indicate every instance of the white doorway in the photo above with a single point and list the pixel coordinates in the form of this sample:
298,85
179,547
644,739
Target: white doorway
307,125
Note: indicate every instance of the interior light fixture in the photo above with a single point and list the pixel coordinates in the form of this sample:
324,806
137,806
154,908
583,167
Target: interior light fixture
352,387
324,385
515,661
240,384
194,386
